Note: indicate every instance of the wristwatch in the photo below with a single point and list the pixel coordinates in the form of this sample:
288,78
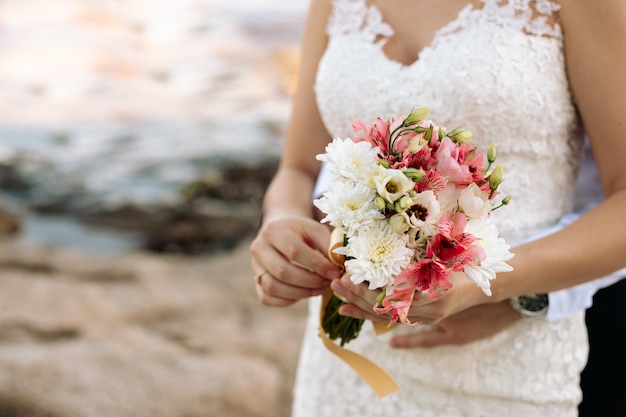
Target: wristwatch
531,306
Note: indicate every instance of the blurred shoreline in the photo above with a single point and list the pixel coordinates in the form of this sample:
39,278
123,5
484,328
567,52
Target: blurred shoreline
117,104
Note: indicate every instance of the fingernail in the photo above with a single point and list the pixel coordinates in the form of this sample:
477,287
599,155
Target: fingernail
318,291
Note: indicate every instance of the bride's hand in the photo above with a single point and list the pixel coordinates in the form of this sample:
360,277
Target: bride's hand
467,326
426,310
289,260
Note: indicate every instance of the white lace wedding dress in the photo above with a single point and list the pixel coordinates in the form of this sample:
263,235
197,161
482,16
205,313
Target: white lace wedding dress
497,69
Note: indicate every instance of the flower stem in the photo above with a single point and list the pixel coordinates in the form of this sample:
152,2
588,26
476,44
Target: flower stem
337,326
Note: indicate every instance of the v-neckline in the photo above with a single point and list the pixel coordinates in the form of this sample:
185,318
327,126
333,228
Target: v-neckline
418,57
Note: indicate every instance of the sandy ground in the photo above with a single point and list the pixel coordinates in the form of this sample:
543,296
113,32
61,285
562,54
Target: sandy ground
140,335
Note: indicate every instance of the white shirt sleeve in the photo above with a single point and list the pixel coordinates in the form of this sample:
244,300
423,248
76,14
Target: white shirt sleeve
580,297
323,179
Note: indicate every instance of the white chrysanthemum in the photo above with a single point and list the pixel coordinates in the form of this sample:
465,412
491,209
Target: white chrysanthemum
379,254
474,202
349,206
349,159
424,213
497,251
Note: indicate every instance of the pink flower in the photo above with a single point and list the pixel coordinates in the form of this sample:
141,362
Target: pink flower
468,155
427,274
432,275
453,246
376,134
398,303
423,159
433,181
449,165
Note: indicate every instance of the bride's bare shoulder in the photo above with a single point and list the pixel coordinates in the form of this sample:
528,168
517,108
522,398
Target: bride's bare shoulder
603,17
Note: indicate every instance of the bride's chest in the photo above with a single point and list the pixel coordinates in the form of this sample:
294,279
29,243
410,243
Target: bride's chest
471,77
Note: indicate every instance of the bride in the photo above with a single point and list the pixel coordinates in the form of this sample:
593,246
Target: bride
528,75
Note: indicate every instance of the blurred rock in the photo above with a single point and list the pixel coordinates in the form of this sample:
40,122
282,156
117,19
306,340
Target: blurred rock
10,223
218,207
140,336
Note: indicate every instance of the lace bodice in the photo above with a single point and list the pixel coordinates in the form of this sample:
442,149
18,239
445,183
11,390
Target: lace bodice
497,69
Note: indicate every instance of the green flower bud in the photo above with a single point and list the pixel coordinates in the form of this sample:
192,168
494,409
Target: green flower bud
496,177
398,223
384,163
405,202
505,201
460,135
491,153
381,297
429,133
415,174
416,116
380,202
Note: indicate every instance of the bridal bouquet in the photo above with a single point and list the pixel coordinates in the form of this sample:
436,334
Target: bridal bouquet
413,203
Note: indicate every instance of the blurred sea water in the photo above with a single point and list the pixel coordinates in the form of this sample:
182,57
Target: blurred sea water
121,99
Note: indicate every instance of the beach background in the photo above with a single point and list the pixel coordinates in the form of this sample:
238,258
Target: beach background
136,139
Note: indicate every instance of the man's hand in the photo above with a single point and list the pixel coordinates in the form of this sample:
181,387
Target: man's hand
467,326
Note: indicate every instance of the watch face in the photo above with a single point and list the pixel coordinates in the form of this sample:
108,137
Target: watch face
533,303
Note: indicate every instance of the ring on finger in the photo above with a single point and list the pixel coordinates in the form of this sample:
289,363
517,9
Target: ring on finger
258,277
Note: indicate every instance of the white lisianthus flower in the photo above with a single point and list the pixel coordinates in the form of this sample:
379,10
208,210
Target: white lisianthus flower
497,253
349,206
391,184
417,241
424,213
399,223
448,197
474,202
349,159
378,255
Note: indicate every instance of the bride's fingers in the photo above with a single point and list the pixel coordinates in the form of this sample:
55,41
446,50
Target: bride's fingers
302,252
274,293
279,283
357,294
360,299
353,311
294,275
282,270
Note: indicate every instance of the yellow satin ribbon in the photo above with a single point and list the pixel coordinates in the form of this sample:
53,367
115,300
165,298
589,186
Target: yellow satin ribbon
379,380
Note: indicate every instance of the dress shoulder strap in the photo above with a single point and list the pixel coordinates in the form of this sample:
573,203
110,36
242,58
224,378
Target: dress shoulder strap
356,17
535,17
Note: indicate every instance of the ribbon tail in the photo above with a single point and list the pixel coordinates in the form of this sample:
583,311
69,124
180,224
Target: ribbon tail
381,383
382,328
